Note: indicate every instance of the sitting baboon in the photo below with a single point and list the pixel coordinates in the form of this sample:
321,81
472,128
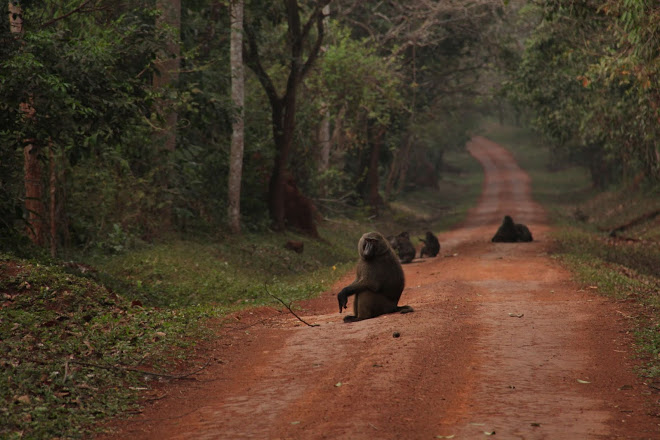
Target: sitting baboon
431,245
523,232
510,232
403,247
378,283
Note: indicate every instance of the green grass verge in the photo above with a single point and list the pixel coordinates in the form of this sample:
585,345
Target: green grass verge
626,267
68,347
230,271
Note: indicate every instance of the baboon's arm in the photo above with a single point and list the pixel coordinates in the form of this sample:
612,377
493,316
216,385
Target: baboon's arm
352,289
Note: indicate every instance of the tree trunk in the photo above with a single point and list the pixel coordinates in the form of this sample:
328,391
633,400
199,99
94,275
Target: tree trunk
373,195
237,95
283,109
32,168
324,127
168,69
283,129
33,194
53,204
392,175
404,163
324,140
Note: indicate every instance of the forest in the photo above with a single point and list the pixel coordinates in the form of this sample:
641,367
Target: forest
132,128
123,119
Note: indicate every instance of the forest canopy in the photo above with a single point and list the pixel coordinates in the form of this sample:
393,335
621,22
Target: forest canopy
118,117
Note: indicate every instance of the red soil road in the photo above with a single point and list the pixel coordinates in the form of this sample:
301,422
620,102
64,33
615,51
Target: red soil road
501,341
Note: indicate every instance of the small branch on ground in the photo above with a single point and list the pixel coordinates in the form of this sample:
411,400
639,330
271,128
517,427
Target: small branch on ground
289,308
137,370
648,216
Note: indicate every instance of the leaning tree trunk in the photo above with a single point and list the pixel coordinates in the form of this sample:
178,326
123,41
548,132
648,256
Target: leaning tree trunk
237,137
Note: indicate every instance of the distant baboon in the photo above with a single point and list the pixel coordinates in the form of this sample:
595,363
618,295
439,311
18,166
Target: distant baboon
431,245
378,283
510,232
403,247
523,232
299,211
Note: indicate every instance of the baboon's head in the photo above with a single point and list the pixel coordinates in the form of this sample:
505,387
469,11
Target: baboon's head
371,245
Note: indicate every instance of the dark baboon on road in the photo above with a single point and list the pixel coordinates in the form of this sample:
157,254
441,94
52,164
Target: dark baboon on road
378,282
523,232
510,232
431,245
403,247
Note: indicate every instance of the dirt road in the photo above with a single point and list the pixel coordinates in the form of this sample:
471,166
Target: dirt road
502,343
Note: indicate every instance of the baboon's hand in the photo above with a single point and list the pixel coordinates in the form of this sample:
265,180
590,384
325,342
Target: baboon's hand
342,297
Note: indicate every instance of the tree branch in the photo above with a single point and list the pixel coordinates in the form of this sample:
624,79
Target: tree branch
62,17
316,49
253,61
289,308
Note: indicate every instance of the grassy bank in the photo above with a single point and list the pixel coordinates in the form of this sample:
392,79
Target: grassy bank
624,265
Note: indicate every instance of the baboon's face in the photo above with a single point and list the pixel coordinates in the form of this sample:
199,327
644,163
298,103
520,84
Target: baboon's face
369,248
371,244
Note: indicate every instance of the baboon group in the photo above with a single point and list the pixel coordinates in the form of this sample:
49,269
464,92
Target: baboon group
510,232
406,251
379,279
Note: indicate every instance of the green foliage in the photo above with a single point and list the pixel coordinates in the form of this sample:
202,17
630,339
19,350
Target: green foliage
353,77
594,92
90,96
69,347
89,73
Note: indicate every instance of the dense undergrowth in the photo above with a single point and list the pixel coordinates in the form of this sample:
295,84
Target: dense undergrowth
610,240
77,338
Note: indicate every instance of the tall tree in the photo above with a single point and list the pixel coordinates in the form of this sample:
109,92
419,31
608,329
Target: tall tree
238,99
283,106
32,168
323,132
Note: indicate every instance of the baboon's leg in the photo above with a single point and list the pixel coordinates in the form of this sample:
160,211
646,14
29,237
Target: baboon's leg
371,304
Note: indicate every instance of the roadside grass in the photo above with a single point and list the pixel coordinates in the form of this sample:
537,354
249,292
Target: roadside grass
232,270
625,267
69,346
81,342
